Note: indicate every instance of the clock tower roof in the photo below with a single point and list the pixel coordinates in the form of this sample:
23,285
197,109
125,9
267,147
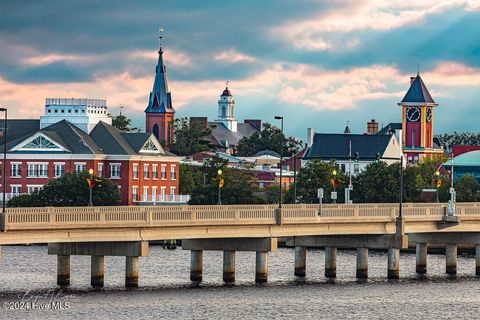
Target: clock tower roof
418,94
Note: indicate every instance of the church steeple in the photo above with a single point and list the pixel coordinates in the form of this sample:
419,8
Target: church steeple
159,112
226,106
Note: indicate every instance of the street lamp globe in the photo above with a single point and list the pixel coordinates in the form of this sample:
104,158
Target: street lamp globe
90,171
437,173
219,172
334,172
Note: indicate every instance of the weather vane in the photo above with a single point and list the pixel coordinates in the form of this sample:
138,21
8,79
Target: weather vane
226,83
160,32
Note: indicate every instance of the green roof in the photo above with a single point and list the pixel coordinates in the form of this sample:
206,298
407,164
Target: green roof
469,159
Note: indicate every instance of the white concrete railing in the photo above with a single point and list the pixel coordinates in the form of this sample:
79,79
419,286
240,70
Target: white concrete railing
182,215
166,198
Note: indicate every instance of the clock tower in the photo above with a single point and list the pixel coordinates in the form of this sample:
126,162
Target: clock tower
418,109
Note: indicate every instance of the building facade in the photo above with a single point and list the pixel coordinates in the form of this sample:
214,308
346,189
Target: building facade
40,150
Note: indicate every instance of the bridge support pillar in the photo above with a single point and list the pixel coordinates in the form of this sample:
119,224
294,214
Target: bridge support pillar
330,262
362,263
393,263
477,260
421,257
132,267
261,267
63,270
97,271
451,257
300,261
196,265
228,266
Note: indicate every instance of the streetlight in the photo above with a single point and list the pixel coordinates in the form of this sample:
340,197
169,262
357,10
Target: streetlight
437,183
280,200
220,184
334,193
90,186
4,160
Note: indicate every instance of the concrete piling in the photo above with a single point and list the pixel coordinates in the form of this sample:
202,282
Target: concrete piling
421,258
97,271
196,265
451,258
477,260
261,267
393,263
362,263
63,270
300,261
330,262
228,266
131,271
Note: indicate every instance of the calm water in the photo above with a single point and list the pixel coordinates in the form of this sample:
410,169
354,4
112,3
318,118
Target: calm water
165,291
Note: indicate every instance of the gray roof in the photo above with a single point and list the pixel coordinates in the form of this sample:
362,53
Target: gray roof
136,139
336,146
391,126
418,93
17,128
267,153
221,133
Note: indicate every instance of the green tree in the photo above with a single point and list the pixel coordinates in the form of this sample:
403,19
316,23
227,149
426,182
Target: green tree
459,139
238,188
269,138
189,137
123,123
70,190
314,175
467,188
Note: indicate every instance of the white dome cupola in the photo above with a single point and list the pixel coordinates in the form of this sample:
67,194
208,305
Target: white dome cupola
226,106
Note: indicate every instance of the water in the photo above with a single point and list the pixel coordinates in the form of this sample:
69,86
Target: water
166,293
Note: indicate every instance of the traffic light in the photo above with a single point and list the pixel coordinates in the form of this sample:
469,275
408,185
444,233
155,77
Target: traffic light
377,157
357,157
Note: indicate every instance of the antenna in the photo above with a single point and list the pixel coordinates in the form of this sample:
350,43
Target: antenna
418,68
226,83
121,109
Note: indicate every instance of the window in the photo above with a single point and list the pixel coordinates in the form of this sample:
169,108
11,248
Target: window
59,169
80,167
135,171
115,171
410,159
172,193
154,171
146,173
37,170
15,189
154,193
415,159
164,172
100,169
163,191
356,169
145,193
173,172
15,170
135,193
31,189
342,167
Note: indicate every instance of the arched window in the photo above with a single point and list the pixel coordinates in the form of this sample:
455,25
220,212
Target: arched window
155,131
224,112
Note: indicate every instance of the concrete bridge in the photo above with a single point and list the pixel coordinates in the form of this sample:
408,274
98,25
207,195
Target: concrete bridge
126,231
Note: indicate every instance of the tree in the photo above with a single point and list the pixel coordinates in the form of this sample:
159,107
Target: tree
189,137
238,188
459,139
380,182
123,123
269,138
467,188
318,174
70,190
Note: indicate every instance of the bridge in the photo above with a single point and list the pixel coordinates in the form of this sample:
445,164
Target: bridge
127,230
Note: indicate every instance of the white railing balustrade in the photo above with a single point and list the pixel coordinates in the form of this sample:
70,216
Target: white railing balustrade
160,199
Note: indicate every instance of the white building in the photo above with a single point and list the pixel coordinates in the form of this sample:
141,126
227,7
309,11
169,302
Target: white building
83,113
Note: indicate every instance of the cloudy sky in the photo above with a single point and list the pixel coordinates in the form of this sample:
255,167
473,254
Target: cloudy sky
317,63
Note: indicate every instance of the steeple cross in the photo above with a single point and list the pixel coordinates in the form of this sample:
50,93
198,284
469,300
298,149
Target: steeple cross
160,35
226,83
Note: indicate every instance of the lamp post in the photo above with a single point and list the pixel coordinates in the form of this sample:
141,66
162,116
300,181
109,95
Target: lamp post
219,172
280,199
4,161
437,181
90,186
334,193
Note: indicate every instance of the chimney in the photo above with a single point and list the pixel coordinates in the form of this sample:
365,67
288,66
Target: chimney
372,127
310,137
412,79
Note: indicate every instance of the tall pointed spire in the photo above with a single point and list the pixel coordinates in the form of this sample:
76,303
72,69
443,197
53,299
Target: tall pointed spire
160,98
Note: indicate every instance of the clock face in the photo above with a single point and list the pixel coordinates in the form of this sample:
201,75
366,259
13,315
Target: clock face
413,114
429,115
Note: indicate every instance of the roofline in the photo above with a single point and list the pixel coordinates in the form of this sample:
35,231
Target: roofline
418,104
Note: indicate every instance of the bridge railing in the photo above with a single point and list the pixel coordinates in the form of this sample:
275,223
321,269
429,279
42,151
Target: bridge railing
148,216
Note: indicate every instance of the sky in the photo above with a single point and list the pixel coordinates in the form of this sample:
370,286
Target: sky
317,63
